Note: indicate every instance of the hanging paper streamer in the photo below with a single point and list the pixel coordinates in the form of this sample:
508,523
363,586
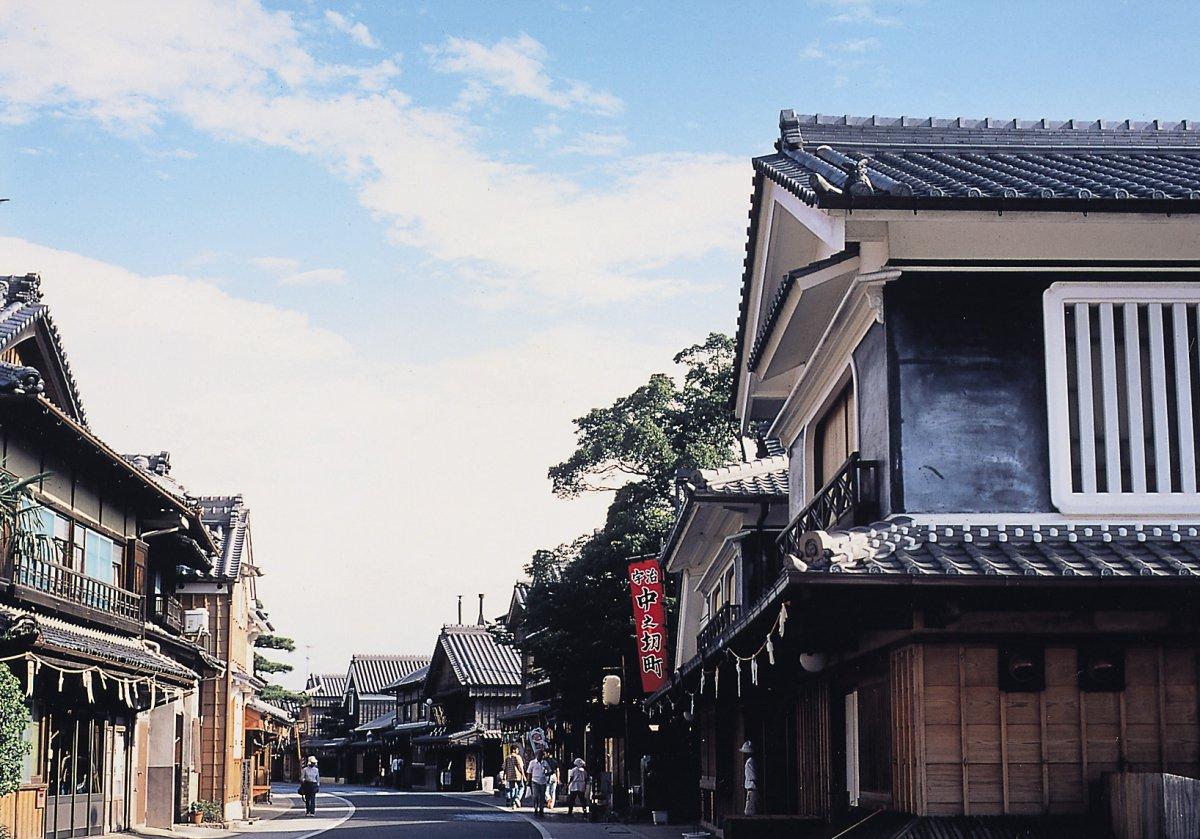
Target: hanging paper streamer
87,686
29,677
737,667
701,680
61,673
783,616
754,670
692,704
770,651
103,679
717,681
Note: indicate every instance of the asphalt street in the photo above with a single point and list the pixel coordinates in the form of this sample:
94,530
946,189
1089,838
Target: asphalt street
349,813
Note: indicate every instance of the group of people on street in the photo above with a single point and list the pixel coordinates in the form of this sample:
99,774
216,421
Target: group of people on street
538,777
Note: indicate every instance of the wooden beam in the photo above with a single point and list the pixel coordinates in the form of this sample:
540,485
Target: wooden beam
962,728
1002,701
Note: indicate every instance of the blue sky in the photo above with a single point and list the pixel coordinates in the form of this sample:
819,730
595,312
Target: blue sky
396,247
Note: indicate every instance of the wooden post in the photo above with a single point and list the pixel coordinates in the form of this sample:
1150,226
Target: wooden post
1042,752
962,728
1162,712
1083,750
1002,701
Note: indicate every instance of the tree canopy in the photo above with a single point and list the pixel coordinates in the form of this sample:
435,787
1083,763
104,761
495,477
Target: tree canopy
578,612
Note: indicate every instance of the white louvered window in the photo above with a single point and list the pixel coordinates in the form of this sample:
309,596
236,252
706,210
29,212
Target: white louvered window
1123,388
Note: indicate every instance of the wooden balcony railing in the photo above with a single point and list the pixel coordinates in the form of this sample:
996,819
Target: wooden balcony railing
65,584
725,617
850,498
166,611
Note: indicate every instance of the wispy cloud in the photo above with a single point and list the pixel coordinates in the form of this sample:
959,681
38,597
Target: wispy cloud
357,30
240,73
866,12
517,67
287,272
597,144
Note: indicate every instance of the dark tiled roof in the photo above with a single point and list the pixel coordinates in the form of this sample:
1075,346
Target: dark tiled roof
379,723
900,547
765,476
876,161
21,307
54,633
372,673
228,518
157,467
477,659
416,677
326,685
18,380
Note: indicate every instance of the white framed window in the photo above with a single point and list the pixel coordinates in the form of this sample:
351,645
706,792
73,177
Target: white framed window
1123,383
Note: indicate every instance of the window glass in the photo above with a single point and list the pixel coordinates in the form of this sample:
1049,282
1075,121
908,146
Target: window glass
98,555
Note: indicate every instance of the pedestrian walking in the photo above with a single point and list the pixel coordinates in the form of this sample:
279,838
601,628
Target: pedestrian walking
514,778
751,779
551,781
310,784
537,778
577,780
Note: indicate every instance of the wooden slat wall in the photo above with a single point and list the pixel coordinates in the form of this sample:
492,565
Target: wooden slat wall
20,815
989,752
815,748
908,724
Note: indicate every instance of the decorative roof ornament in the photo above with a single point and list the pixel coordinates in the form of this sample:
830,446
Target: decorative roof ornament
789,130
860,181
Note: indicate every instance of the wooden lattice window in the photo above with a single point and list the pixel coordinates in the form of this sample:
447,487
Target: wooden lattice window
1123,384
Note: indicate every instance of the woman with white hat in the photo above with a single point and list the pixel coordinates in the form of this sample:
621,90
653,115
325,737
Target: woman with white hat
310,783
577,780
751,776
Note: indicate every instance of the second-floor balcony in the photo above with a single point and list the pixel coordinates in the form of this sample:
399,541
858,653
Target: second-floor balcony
725,617
62,584
848,499
166,611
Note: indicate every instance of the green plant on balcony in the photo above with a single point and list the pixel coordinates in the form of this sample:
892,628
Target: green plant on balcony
21,519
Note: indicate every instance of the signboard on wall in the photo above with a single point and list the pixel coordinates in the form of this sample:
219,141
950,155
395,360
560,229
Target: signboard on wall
649,622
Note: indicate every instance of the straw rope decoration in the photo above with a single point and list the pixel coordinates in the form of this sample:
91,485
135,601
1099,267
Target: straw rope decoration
127,688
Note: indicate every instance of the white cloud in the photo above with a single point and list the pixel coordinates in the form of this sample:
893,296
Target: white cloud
276,264
516,67
241,73
287,272
358,31
597,144
316,277
365,476
864,12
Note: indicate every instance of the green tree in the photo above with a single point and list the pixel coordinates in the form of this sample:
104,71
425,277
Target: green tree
578,617
14,718
265,665
277,693
275,642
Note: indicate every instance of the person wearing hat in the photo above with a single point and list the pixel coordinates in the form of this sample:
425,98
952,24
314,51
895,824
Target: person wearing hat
310,783
751,776
577,780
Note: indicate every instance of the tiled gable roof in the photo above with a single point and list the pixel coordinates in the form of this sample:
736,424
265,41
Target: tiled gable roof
326,685
765,476
21,307
373,673
901,547
416,677
228,518
900,162
478,659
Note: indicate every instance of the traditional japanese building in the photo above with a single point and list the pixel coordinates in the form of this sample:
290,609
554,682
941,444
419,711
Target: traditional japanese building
224,606
411,719
87,622
976,341
369,710
320,719
473,679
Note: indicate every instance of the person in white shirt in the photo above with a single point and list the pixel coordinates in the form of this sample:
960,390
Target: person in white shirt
577,780
310,784
538,776
751,776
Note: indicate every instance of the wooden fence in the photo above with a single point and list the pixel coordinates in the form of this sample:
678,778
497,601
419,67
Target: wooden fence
20,814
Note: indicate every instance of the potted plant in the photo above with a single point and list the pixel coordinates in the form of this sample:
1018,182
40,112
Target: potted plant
195,813
204,811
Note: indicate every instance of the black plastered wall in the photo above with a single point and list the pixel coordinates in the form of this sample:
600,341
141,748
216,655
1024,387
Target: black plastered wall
968,396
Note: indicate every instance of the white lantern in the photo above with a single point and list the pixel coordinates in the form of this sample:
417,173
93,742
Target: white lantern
610,690
813,662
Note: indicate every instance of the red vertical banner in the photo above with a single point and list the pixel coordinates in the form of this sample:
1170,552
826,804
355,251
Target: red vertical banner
650,622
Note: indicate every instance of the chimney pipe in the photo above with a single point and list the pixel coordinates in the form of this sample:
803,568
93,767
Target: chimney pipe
460,610
481,621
